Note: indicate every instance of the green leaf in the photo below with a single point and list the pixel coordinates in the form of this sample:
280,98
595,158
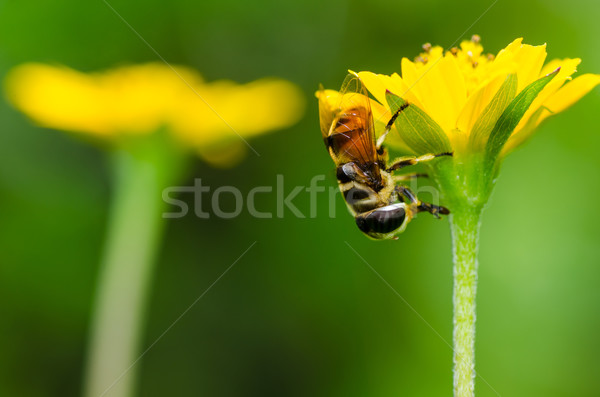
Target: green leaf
524,133
509,120
420,132
492,112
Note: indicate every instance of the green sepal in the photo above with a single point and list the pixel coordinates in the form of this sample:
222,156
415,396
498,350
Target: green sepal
509,120
419,131
485,122
524,133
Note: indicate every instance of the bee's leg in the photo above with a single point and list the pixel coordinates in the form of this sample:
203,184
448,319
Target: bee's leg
389,125
407,177
434,210
418,205
412,160
405,194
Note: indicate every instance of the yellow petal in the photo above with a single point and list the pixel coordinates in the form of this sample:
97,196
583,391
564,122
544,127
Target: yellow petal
58,97
223,109
376,85
410,75
329,101
508,53
567,68
440,87
455,88
379,84
523,59
566,96
399,87
477,103
530,60
140,99
571,92
551,67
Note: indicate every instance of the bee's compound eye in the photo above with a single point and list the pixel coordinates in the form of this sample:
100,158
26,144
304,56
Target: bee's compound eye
383,220
346,172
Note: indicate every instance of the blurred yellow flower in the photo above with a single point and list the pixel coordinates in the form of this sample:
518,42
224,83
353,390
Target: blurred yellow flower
140,99
455,87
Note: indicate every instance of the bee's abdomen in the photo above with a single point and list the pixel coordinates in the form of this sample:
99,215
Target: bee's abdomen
359,197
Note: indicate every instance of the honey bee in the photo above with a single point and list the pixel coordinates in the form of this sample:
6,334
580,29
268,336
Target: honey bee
381,205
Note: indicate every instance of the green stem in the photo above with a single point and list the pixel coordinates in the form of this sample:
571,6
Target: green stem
465,193
127,265
465,236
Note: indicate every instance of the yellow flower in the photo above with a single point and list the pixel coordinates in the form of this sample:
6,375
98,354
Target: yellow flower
455,87
460,111
139,99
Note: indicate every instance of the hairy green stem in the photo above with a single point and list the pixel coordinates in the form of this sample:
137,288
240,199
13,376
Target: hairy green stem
465,193
133,238
465,236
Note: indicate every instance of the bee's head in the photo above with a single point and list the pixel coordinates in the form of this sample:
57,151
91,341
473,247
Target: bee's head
386,222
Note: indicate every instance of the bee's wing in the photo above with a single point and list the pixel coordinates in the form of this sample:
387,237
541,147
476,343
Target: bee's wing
351,134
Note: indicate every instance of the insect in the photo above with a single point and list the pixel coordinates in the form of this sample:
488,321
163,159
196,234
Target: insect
381,205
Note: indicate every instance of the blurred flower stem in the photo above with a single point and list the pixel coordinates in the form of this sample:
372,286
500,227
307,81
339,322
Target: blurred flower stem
153,117
142,168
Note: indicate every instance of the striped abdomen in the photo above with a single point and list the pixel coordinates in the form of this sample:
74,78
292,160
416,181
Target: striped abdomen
358,189
360,198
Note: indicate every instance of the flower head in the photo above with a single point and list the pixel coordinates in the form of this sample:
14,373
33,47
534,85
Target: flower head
464,91
140,99
463,101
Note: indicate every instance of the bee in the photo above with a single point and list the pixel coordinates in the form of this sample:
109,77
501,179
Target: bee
381,206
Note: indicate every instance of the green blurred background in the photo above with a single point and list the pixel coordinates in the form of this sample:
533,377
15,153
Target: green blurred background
301,314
